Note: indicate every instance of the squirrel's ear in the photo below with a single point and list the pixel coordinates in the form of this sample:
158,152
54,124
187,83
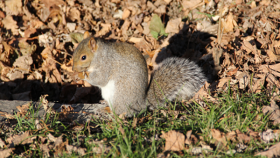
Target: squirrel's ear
86,34
93,44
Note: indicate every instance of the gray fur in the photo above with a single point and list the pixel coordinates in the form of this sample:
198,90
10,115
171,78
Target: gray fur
176,78
124,64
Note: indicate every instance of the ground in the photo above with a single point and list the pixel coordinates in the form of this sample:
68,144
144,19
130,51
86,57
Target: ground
235,42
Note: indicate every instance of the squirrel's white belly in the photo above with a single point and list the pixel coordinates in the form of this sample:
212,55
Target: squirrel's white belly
108,92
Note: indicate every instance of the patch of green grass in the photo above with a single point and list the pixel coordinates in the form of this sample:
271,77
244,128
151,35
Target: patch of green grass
123,138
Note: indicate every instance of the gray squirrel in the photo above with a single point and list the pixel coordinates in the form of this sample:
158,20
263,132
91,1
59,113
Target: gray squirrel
120,71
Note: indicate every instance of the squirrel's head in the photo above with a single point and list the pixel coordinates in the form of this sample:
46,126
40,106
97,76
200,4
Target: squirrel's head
84,53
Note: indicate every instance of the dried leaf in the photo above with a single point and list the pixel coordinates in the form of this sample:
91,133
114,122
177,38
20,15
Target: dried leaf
272,80
175,141
11,24
126,14
21,139
243,79
219,136
258,84
71,148
161,9
74,14
268,135
134,40
23,63
273,151
51,137
2,143
173,26
271,54
190,138
15,74
232,72
190,4
14,7
45,149
5,153
50,3
231,136
223,82
229,23
274,112
242,137
105,29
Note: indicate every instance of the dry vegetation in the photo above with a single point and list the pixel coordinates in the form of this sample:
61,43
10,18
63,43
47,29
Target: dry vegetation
236,42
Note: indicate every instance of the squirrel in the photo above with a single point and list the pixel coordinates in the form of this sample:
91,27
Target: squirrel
119,69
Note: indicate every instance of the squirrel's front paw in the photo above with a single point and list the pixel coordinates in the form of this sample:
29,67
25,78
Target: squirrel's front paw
82,75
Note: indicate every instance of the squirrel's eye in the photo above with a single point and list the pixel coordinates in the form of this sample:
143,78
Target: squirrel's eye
84,57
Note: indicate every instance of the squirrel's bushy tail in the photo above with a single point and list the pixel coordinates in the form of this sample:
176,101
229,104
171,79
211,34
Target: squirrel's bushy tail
175,78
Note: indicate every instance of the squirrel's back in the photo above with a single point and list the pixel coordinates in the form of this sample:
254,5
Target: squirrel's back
175,78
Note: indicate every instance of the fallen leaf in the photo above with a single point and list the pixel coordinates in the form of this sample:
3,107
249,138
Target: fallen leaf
14,7
74,14
2,14
268,136
125,26
271,54
134,39
259,83
203,94
243,79
265,2
99,147
2,143
275,69
156,26
242,137
71,148
23,63
175,141
229,23
232,72
6,152
273,151
45,149
190,4
223,82
173,26
51,137
23,108
50,3
76,37
29,31
58,142
26,48
126,14
253,134
231,136
207,26
21,139
190,138
274,112
15,74
11,24
161,9
219,136
272,80
105,29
